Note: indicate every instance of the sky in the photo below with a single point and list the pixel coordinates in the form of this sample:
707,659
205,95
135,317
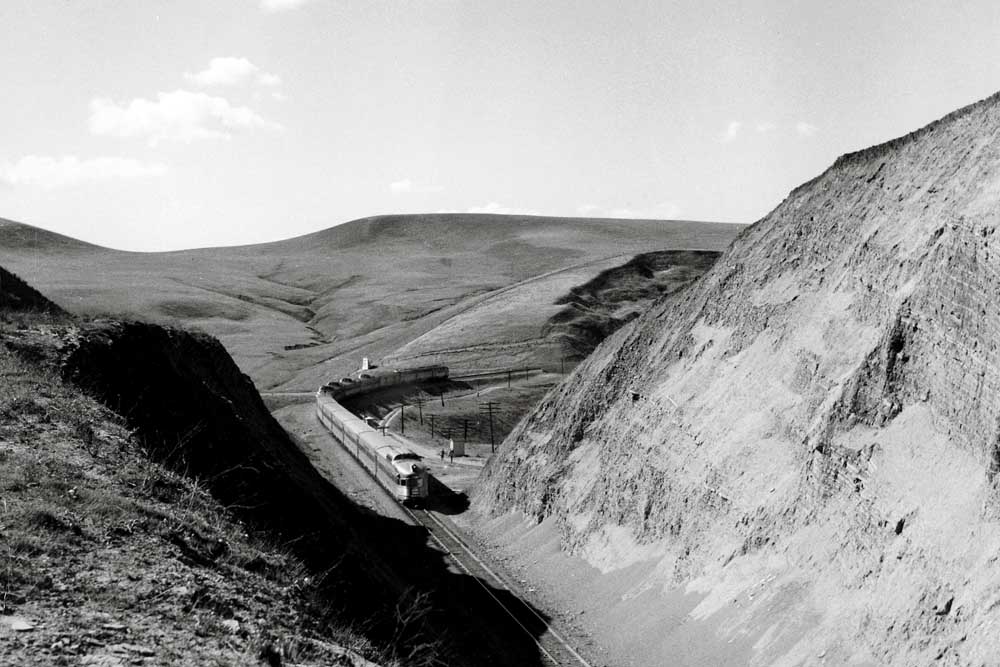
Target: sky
168,124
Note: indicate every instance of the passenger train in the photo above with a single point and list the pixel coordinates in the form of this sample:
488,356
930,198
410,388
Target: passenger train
391,464
381,379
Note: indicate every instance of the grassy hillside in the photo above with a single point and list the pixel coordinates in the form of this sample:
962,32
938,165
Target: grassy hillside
110,558
18,296
559,316
295,312
153,511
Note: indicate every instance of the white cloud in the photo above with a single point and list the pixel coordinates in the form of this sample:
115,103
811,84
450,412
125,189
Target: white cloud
406,187
268,79
732,130
805,129
765,127
230,71
494,207
181,115
224,72
281,5
68,170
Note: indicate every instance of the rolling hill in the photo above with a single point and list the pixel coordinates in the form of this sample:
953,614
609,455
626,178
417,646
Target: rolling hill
293,313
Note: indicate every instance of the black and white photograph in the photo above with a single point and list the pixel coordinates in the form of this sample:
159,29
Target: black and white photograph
499,333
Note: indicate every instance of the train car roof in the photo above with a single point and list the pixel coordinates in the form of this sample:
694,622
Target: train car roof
372,437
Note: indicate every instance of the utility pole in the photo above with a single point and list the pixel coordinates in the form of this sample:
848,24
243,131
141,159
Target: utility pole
465,430
442,398
488,408
508,379
419,402
431,417
402,418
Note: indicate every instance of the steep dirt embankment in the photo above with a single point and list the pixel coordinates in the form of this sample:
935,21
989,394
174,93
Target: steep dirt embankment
807,439
196,413
109,559
594,310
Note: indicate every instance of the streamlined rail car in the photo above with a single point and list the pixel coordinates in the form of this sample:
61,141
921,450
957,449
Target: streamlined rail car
378,379
392,465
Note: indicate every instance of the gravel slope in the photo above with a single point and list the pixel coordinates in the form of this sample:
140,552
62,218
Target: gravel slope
806,441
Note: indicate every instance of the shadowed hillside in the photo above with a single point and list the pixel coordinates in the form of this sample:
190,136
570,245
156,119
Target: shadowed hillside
181,509
295,312
109,558
801,448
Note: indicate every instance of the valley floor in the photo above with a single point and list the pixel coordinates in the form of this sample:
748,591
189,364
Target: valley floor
615,616
334,463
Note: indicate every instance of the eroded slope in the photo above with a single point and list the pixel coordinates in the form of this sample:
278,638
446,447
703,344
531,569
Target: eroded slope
557,317
807,438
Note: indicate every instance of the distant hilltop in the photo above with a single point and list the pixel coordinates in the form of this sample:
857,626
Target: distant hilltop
443,230
293,313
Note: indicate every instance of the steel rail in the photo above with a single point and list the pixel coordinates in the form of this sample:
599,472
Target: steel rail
486,588
434,521
503,584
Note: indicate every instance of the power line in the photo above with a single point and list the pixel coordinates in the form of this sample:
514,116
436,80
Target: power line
488,408
419,402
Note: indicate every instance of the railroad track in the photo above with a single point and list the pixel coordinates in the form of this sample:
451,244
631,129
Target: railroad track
552,646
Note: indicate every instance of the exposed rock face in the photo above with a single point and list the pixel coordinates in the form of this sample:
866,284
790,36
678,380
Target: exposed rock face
820,412
596,309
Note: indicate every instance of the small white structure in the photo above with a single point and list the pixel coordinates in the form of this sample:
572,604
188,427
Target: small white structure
364,363
458,449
